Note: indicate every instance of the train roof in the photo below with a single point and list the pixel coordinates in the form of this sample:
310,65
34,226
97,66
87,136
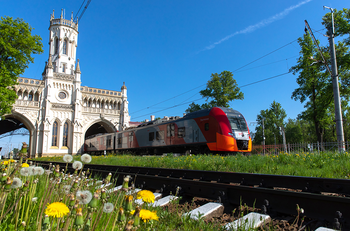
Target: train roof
206,112
200,113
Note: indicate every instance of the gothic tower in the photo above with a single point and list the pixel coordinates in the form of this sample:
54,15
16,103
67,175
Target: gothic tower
58,111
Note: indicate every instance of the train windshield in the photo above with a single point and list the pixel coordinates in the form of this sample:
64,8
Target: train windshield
237,122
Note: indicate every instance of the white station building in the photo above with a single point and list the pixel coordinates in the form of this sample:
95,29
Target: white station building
58,111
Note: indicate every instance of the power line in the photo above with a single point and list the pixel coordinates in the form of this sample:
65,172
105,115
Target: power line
177,105
205,84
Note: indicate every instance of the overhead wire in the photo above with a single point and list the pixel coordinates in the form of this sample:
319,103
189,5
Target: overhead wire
236,70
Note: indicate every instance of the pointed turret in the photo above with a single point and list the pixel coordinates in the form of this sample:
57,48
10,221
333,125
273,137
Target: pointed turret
49,64
77,70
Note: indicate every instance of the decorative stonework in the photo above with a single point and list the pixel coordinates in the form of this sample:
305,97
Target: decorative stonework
65,77
60,99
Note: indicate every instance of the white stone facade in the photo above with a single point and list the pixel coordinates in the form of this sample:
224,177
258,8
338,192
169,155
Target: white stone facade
57,110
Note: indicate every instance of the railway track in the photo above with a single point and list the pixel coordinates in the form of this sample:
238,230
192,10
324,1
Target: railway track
322,199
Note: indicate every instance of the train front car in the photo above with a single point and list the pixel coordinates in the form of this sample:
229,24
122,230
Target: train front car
232,133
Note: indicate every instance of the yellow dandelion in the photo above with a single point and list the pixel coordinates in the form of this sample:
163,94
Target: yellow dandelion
57,209
12,161
146,196
25,165
5,162
146,215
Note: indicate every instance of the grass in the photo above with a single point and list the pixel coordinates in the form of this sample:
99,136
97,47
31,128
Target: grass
34,199
323,164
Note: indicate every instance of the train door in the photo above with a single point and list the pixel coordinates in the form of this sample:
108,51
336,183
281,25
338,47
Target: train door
171,133
131,139
195,135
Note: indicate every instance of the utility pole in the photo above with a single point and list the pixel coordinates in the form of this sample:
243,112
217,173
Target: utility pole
336,93
263,135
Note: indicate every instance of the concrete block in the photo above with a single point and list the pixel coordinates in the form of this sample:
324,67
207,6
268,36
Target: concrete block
249,221
206,211
324,229
164,201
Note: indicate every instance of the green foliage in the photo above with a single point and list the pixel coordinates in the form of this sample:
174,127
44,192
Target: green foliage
17,44
273,119
221,89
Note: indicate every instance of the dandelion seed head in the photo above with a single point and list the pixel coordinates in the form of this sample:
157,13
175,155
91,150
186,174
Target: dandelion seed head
86,158
108,207
38,171
84,197
16,183
24,171
67,158
77,165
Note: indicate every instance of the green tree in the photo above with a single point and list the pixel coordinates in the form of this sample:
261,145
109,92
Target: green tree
273,118
315,87
17,44
221,89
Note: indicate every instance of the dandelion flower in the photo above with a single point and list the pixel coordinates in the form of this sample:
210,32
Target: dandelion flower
57,209
34,199
84,197
146,196
16,183
5,162
77,165
25,171
147,215
86,158
108,207
67,158
38,170
25,165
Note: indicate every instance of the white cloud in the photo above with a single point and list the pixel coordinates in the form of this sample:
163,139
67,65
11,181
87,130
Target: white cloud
258,25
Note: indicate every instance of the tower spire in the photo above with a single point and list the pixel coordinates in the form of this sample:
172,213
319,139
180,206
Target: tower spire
77,70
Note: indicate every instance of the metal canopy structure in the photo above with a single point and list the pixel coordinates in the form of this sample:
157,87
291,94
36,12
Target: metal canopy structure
10,125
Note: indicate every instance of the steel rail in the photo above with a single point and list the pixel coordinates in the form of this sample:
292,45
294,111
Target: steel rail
306,184
331,209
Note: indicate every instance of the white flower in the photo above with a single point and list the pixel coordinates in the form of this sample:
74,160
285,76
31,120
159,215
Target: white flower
86,158
34,199
77,165
24,171
108,207
67,158
16,183
84,197
38,171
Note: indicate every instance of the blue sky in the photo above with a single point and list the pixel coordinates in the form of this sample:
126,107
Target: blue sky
166,50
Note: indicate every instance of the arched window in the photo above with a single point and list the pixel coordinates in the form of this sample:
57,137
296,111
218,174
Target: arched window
65,135
65,46
54,134
56,45
30,96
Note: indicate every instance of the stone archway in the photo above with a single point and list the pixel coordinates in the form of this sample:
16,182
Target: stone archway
17,120
100,126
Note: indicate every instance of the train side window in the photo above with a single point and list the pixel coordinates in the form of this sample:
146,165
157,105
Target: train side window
160,135
206,126
131,136
119,140
109,141
151,136
181,132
